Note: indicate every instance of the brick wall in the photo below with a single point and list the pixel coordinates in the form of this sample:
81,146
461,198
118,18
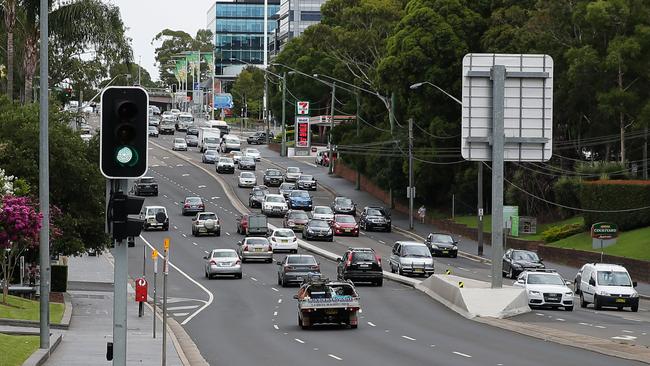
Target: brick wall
275,147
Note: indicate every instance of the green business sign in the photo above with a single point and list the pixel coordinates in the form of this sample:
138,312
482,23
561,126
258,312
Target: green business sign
604,230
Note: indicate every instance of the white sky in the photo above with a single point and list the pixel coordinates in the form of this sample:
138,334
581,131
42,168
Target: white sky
146,18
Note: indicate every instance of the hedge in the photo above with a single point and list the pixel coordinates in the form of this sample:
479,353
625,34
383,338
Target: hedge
555,233
59,278
611,195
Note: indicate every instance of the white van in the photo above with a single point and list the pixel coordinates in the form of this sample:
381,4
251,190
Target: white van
230,143
608,285
221,125
208,139
184,121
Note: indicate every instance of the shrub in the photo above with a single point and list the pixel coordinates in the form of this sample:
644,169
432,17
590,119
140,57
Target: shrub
555,233
602,170
566,192
616,195
59,278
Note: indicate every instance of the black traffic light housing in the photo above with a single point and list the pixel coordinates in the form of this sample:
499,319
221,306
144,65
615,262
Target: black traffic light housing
124,135
120,207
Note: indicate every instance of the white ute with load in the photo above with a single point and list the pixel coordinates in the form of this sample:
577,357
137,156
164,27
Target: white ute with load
209,139
321,301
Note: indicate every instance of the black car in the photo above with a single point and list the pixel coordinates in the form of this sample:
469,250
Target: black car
375,218
344,205
257,138
318,230
246,163
516,261
191,141
255,198
360,265
193,130
306,182
273,177
440,244
145,185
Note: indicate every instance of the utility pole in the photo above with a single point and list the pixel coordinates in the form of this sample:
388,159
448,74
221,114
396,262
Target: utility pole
283,152
391,113
357,184
265,112
411,189
331,143
266,65
480,208
119,288
43,181
645,153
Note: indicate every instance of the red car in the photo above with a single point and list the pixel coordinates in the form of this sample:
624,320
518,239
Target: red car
242,224
345,225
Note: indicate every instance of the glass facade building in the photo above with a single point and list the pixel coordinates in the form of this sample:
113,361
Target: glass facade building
239,33
293,18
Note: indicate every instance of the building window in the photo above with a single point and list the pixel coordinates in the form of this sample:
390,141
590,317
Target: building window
310,16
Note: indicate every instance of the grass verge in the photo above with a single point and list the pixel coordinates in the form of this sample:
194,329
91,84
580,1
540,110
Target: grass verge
15,349
630,244
470,221
24,309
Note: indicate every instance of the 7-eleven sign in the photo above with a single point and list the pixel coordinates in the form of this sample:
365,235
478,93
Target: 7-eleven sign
302,108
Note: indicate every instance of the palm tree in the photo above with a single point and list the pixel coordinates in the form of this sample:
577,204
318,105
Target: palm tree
9,10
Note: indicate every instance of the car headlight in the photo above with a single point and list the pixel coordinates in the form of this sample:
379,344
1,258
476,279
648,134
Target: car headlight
329,232
570,294
516,265
433,246
634,294
531,292
602,293
310,231
454,248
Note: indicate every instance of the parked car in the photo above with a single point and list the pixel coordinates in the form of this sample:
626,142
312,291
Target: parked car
546,289
294,269
516,261
320,157
272,177
345,225
375,218
306,182
295,220
225,165
192,205
210,156
360,265
253,153
191,141
252,224
284,240
223,262
292,173
255,248
274,204
344,205
300,200
206,223
322,213
441,244
155,217
144,186
247,179
607,285
411,258
153,131
246,163
255,199
318,229
285,189
179,145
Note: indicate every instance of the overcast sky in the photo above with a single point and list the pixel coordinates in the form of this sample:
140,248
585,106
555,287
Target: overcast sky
146,18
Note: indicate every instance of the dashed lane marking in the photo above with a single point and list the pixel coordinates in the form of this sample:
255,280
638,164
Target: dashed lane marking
462,354
279,301
275,313
627,331
274,289
600,327
188,307
228,234
179,164
299,340
254,279
560,319
409,338
214,198
335,357
381,241
185,236
194,243
186,175
371,324
276,327
201,186
181,314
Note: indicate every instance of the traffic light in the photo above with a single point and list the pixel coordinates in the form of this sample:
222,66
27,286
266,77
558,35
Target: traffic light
124,121
121,206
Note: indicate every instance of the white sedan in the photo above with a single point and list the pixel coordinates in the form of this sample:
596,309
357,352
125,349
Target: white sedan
253,153
546,288
322,213
179,144
274,204
284,240
247,179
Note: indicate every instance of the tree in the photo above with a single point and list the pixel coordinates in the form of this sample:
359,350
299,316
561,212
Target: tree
249,86
172,44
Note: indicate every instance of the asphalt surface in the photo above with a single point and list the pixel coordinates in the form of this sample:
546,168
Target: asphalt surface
254,321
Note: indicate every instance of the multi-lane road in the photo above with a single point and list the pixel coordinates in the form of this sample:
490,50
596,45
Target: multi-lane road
254,321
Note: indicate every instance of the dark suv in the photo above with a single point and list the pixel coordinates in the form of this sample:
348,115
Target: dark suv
375,218
257,138
145,185
360,265
273,177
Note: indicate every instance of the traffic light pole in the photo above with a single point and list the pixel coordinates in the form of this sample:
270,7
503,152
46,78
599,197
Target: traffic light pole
119,289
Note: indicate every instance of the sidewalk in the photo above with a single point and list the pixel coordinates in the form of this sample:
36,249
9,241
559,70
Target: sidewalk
91,327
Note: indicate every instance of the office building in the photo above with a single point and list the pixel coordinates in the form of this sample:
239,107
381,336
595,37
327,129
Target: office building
293,18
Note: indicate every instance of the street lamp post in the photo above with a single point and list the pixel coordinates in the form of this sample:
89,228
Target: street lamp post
283,151
330,169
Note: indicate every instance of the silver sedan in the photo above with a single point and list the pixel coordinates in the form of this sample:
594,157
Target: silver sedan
223,262
247,179
255,248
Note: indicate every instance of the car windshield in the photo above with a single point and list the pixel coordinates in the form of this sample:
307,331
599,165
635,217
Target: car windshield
284,233
322,210
191,137
146,180
258,193
306,177
232,141
300,215
545,279
525,256
343,201
374,212
438,238
293,170
151,128
416,251
303,194
193,200
346,219
286,186
236,153
211,152
247,175
227,254
207,216
363,256
185,118
154,211
211,140
246,159
226,160
257,241
273,173
179,141
612,278
318,223
274,199
252,151
303,259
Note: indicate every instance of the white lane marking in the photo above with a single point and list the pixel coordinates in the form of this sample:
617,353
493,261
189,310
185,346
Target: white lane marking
362,233
214,198
175,227
276,327
279,301
206,252
335,357
181,314
409,338
201,186
179,164
228,234
188,307
154,165
185,175
164,195
463,269
627,331
387,331
371,324
540,314
600,327
194,243
275,313
462,354
433,345
274,289
299,340
165,157
185,236
254,279
210,295
586,324
381,241
625,338
560,319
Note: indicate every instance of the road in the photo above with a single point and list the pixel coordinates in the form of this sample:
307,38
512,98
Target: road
253,321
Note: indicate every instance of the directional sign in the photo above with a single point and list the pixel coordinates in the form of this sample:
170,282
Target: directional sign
223,100
302,108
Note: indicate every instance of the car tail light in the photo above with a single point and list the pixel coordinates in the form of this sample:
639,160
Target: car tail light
237,262
378,258
270,248
287,268
213,263
315,268
187,205
294,239
349,262
202,206
245,248
290,222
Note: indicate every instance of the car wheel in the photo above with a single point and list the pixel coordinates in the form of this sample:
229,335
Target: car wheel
238,276
635,308
283,283
295,251
193,232
576,286
379,282
619,308
390,229
166,228
583,303
511,273
597,304
568,308
279,281
400,272
206,274
392,270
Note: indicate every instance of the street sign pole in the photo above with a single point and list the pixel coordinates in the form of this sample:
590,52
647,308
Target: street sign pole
154,255
480,208
330,169
283,152
498,76
119,289
410,187
164,305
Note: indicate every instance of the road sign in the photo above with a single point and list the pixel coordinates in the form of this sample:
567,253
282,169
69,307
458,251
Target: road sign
604,230
141,290
302,108
166,244
303,135
154,254
514,225
197,86
223,100
527,112
508,212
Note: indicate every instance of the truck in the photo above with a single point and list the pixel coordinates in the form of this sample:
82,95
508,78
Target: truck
221,125
209,138
321,301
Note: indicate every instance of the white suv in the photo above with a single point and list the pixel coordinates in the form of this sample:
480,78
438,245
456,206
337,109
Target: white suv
274,204
546,288
608,285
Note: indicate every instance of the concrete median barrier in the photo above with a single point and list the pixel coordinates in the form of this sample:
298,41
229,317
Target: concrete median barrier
472,298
